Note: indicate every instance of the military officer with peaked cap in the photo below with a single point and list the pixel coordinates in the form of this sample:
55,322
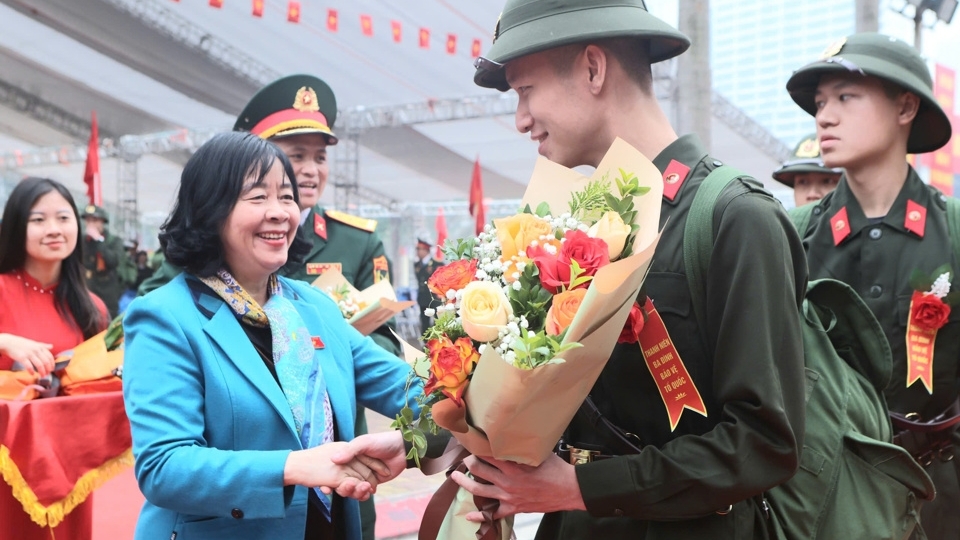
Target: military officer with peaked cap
102,253
806,173
582,70
872,97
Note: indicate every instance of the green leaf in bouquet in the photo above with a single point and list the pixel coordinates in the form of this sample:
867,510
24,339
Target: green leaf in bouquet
543,210
421,366
526,209
590,203
952,299
919,281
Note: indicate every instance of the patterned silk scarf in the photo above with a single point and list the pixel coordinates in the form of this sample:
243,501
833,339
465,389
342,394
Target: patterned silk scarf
300,374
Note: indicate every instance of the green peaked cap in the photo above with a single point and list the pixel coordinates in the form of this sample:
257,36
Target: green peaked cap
531,26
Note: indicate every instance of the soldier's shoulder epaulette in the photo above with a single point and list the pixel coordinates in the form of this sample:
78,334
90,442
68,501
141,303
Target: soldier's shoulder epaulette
362,223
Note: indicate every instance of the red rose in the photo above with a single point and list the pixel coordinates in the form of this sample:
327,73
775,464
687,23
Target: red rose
555,270
453,276
451,363
590,254
928,311
633,326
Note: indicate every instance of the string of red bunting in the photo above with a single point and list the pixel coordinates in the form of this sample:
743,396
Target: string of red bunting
366,26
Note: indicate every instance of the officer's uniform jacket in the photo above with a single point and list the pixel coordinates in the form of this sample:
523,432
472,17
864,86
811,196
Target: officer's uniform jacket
747,365
100,259
351,245
877,258
423,271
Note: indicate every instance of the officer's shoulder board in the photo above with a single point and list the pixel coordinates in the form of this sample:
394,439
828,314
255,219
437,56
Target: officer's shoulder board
364,224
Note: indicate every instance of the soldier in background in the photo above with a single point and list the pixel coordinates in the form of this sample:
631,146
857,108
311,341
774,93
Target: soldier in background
102,253
806,173
424,267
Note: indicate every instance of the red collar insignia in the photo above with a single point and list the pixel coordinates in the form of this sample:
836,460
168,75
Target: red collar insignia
320,226
673,178
916,219
317,342
840,226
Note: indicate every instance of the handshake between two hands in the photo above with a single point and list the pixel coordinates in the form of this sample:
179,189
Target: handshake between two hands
352,469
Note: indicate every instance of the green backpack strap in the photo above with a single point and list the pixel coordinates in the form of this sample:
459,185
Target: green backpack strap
698,235
800,216
953,224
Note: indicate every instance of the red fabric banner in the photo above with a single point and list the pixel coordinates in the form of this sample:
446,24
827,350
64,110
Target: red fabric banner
476,197
677,389
258,8
91,173
366,25
451,43
293,12
333,21
475,49
441,225
396,30
424,38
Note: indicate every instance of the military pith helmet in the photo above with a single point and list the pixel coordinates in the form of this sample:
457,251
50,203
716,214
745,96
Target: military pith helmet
530,26
805,159
886,58
292,105
92,210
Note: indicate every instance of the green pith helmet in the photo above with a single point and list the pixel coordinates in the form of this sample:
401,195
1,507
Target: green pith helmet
805,159
92,210
291,105
530,26
886,58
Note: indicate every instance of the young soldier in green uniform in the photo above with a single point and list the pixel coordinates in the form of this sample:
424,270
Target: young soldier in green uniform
873,102
582,72
102,252
806,173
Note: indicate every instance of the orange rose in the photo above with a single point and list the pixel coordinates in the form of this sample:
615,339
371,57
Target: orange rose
515,233
451,363
564,308
453,276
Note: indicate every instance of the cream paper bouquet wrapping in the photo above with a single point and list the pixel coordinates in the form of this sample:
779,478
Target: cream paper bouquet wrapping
515,414
379,301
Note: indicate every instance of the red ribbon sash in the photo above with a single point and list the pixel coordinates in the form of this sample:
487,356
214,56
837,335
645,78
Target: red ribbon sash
677,389
920,342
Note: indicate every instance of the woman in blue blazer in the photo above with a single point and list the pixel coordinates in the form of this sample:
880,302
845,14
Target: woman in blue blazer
240,384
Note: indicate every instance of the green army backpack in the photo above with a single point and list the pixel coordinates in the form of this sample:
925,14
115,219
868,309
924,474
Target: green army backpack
853,482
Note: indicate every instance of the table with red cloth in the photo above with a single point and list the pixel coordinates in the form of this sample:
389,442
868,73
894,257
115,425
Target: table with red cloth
53,453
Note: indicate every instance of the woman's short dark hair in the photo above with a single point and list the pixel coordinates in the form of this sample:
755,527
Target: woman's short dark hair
210,185
72,297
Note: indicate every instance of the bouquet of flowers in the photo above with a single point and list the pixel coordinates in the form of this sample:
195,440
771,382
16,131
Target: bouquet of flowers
365,310
534,305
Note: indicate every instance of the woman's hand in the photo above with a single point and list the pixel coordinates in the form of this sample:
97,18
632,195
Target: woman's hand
315,468
385,448
34,356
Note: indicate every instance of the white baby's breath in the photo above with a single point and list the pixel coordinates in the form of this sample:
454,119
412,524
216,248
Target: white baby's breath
941,286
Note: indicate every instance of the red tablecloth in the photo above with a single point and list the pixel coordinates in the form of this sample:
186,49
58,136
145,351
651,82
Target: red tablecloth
54,452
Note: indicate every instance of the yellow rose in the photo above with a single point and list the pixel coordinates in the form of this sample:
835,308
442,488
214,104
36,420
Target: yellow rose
515,233
484,309
612,230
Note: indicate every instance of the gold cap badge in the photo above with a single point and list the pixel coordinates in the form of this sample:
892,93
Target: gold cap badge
808,149
306,100
90,209
834,49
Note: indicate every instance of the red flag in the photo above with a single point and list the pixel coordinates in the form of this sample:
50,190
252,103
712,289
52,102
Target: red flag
475,49
293,11
476,197
332,20
91,174
258,8
441,233
397,30
216,3
451,43
424,38
366,24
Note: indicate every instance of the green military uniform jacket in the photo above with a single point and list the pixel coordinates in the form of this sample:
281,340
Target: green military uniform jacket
747,365
100,259
350,244
877,259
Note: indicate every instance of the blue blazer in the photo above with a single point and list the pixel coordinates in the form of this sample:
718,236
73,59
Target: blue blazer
212,428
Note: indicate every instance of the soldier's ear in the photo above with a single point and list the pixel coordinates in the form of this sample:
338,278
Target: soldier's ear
596,62
908,104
